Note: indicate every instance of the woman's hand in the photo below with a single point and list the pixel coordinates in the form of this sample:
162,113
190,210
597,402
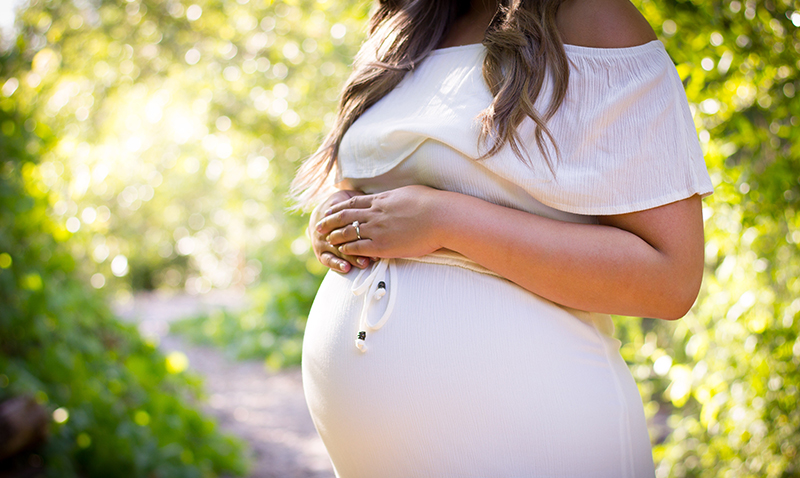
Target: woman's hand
398,223
647,263
328,254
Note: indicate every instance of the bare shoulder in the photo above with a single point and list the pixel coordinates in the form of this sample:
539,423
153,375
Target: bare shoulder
603,24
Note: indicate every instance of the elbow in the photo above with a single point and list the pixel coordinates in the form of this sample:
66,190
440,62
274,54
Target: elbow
677,309
680,299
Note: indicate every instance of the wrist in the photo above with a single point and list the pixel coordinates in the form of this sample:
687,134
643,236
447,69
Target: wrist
443,214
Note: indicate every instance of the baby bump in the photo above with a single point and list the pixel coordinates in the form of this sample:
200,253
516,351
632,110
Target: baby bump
470,375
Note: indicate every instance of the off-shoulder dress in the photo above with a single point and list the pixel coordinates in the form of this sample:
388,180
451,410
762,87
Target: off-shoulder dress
462,373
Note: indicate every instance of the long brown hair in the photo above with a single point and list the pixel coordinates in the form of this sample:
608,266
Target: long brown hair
522,45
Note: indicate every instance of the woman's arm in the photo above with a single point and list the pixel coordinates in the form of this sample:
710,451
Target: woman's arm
646,263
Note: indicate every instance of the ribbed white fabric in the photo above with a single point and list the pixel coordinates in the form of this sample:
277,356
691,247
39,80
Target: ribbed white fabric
625,132
470,375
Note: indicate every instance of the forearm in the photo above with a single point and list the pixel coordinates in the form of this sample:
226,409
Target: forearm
646,263
585,266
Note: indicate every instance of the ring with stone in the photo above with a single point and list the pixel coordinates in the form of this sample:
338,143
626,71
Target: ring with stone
358,229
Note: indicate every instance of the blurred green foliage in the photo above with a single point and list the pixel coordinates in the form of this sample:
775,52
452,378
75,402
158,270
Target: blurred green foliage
178,128
119,408
172,130
727,374
270,329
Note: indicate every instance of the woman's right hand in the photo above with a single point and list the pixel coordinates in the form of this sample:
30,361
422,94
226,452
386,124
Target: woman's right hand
327,253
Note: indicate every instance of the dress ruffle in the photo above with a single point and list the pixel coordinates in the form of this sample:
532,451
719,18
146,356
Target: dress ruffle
625,135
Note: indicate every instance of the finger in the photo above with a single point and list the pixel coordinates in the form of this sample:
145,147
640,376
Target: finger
355,202
321,244
364,247
340,259
360,262
331,261
339,220
336,198
347,233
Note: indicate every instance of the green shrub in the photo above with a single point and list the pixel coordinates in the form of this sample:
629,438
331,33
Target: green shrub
270,329
119,407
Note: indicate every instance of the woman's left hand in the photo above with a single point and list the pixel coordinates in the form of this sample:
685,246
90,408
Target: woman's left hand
402,222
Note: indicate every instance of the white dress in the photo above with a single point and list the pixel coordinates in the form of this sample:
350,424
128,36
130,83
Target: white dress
462,373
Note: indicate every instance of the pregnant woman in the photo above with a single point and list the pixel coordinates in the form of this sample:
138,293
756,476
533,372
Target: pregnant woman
502,175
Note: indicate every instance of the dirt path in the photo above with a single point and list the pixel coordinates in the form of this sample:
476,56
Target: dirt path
265,409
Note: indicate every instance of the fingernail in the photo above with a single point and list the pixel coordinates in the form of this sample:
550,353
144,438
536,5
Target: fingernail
328,212
319,227
362,261
343,266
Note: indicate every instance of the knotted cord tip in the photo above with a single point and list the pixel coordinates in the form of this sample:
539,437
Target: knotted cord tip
376,292
380,291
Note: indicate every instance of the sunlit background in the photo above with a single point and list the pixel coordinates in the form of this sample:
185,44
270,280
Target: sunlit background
167,126
148,146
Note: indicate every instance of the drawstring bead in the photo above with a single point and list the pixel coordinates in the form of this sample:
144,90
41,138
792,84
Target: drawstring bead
374,292
360,341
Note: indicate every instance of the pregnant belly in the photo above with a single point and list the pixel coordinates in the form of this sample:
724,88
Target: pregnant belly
471,375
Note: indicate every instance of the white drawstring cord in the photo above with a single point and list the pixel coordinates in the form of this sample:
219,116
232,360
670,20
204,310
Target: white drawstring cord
375,284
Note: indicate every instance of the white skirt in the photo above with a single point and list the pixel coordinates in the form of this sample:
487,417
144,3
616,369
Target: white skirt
470,376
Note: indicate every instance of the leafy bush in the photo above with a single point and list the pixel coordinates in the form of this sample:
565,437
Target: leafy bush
270,328
727,374
119,407
177,129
